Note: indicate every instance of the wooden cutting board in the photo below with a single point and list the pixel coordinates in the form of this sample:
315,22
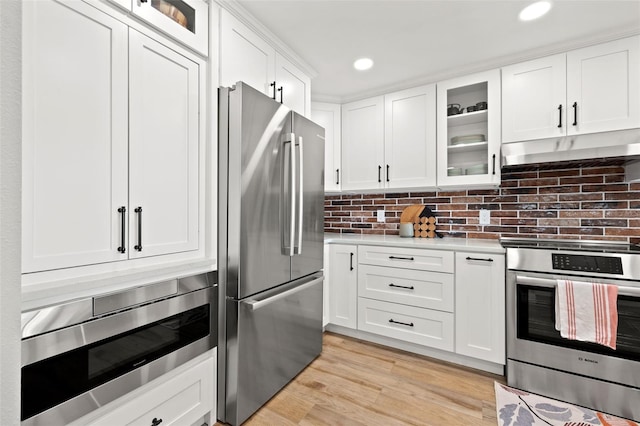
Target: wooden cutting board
411,212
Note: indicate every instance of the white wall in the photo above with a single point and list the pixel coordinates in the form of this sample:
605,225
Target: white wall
10,202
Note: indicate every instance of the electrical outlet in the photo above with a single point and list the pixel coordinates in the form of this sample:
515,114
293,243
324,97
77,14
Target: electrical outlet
380,216
485,217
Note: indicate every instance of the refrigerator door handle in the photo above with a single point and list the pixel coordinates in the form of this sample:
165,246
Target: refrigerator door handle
254,305
301,197
290,139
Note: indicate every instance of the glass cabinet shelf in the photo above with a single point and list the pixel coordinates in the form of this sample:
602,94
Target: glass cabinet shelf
467,118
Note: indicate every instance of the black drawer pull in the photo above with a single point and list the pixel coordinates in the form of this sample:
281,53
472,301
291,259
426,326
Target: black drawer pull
401,323
351,261
401,286
480,259
138,247
122,210
337,176
274,90
156,421
575,113
400,258
379,171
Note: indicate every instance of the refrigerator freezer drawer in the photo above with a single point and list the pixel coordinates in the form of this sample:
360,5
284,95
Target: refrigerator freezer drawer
276,337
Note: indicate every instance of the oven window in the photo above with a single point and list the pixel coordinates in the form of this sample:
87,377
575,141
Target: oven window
54,380
536,322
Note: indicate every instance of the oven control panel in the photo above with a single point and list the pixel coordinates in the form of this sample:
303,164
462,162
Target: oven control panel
587,263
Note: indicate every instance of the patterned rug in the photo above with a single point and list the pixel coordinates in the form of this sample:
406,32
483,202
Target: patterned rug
518,408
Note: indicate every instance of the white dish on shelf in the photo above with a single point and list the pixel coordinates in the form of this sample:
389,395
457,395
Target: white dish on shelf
467,139
478,169
455,171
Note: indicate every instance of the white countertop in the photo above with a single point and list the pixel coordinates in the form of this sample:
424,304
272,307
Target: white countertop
445,243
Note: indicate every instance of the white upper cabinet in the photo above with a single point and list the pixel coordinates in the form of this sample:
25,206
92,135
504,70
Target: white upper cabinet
390,141
163,153
246,56
588,90
534,99
363,144
410,138
328,116
469,141
293,86
75,122
603,87
111,123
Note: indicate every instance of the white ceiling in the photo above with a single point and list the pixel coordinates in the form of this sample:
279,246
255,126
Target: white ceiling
415,42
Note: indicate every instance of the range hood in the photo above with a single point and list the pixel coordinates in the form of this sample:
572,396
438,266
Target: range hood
623,144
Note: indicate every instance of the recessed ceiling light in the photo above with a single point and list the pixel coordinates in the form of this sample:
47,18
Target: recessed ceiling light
363,64
534,10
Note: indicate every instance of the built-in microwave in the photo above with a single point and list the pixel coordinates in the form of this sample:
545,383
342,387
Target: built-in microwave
81,355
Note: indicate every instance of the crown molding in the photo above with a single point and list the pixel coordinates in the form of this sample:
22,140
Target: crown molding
498,62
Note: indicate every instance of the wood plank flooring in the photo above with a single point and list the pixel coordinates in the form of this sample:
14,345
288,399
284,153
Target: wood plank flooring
354,382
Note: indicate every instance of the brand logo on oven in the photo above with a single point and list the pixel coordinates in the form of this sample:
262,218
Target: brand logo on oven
592,361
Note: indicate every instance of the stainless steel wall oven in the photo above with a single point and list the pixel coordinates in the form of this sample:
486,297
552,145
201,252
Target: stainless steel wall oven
540,360
83,354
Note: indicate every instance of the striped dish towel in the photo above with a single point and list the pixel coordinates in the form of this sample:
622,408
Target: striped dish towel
587,312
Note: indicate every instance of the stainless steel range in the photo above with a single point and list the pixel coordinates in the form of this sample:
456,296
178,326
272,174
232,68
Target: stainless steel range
539,360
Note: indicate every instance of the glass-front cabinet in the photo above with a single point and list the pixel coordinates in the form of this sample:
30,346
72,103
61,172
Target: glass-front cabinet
184,20
469,130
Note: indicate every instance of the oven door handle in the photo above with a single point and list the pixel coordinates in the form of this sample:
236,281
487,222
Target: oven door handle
550,283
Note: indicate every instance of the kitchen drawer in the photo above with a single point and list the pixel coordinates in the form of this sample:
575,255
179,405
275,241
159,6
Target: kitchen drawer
408,258
417,325
431,290
181,400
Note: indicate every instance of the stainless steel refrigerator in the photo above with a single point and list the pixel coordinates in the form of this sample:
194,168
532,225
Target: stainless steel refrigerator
270,249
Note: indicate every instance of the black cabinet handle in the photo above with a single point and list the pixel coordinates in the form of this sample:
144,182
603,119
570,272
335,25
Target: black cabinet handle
156,421
280,90
138,246
494,164
387,173
122,210
351,261
410,324
401,286
274,89
379,171
560,116
143,1
575,113
400,258
480,259
337,176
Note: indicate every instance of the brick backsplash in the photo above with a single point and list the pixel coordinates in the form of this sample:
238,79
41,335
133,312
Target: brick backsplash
569,202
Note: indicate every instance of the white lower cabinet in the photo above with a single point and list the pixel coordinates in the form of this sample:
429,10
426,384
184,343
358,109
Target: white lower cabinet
480,306
432,290
417,325
451,301
407,294
183,399
343,285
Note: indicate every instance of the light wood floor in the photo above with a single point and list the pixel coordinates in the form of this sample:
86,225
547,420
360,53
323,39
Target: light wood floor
359,383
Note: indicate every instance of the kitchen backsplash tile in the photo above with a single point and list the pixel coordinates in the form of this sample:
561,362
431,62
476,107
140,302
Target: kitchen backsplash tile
564,202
